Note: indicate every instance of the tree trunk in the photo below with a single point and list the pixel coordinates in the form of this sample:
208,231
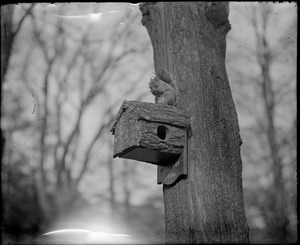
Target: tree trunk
127,175
6,46
189,43
265,61
112,194
7,36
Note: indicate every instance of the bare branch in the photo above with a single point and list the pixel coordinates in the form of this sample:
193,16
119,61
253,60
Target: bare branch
19,24
91,145
100,131
71,137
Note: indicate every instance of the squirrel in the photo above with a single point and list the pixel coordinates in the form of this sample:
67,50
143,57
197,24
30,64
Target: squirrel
163,88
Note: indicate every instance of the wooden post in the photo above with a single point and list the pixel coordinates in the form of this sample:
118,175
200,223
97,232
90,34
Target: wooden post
189,44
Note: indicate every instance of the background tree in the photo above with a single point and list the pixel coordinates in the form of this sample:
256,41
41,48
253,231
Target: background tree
264,93
9,31
70,71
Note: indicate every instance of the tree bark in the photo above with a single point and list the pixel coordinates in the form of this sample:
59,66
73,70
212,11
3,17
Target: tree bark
189,43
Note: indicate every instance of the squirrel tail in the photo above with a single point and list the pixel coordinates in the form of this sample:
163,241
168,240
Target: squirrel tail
165,76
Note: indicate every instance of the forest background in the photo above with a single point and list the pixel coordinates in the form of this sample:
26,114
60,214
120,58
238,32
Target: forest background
70,68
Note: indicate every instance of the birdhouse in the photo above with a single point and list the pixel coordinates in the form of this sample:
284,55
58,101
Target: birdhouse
148,132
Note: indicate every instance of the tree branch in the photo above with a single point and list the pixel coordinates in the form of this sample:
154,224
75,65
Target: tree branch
18,26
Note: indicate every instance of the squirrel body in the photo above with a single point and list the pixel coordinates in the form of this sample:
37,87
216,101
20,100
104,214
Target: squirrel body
163,88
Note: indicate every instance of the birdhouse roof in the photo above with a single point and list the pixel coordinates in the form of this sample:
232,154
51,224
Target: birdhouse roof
151,112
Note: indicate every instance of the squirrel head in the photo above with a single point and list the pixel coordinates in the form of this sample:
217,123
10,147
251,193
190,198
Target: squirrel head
156,87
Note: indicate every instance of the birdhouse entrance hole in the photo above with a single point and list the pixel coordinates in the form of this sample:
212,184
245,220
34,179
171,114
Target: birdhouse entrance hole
162,132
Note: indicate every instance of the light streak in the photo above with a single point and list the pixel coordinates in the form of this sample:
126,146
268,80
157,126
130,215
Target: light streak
66,230
88,237
92,16
85,231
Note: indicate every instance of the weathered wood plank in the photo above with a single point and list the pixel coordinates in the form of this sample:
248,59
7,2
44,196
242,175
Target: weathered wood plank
153,113
156,140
